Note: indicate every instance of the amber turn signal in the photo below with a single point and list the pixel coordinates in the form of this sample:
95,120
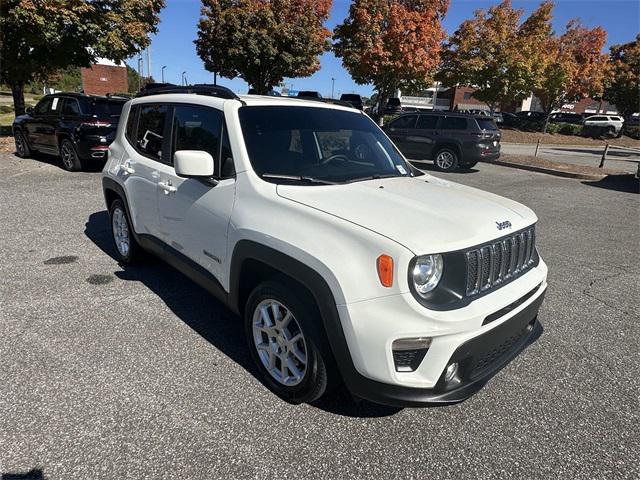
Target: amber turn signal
385,270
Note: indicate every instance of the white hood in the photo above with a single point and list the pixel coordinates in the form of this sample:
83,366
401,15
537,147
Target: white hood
425,214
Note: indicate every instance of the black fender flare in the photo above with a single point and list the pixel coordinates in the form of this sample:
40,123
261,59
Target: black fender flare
306,276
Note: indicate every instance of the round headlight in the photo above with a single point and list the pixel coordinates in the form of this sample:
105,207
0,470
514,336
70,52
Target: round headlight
427,273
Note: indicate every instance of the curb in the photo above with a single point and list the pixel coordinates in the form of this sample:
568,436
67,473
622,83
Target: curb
551,171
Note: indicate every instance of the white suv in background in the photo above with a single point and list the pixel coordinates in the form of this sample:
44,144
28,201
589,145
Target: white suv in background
611,124
344,262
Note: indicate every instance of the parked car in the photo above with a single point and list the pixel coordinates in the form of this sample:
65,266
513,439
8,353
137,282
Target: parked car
608,124
354,99
509,119
632,121
498,118
343,261
308,94
452,140
567,117
393,106
77,127
531,116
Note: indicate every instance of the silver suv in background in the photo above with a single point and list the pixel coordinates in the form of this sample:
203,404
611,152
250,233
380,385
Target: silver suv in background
611,124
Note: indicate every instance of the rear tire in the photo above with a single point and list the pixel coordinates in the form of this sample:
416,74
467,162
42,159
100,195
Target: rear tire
128,252
446,160
69,156
22,147
284,336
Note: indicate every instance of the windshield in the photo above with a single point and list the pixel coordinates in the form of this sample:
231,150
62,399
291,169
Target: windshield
320,144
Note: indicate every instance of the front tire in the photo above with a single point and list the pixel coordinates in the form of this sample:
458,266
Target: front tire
446,160
69,155
128,251
285,341
22,147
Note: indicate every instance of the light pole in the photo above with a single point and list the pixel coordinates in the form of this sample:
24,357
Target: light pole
183,81
333,84
163,67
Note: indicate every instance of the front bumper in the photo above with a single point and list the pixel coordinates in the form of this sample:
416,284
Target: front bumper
463,336
480,359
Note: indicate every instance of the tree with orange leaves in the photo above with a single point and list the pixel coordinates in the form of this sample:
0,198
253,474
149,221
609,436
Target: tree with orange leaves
570,67
492,52
263,41
391,43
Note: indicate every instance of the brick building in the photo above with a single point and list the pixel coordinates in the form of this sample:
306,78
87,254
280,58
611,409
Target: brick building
104,77
461,98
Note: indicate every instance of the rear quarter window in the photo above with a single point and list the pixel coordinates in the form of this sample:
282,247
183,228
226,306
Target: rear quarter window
454,123
486,124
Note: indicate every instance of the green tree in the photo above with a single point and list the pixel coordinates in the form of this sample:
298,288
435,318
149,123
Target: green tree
263,41
623,89
391,43
492,52
40,38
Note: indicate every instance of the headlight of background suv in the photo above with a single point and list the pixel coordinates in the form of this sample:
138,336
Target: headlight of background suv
427,272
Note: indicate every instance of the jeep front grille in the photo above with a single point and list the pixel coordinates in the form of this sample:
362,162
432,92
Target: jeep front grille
490,265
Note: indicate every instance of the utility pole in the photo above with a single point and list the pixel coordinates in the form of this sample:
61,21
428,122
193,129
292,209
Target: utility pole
149,63
140,72
333,84
435,95
215,78
163,67
184,78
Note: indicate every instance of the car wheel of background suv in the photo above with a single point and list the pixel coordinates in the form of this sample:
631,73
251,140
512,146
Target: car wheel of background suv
127,249
446,160
284,341
69,156
22,147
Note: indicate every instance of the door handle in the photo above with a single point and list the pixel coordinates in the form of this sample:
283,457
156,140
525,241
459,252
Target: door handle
167,187
126,168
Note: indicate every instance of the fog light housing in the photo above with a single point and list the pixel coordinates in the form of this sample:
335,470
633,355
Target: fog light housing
408,353
450,372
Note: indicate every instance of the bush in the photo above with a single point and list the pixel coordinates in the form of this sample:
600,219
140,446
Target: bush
553,128
570,129
632,131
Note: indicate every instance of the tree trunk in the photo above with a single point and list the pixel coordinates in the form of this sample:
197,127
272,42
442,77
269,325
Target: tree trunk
383,97
18,98
546,121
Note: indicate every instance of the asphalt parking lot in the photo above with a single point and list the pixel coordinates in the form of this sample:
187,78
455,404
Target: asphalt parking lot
110,373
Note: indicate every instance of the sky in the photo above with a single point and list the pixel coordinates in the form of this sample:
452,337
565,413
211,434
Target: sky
173,44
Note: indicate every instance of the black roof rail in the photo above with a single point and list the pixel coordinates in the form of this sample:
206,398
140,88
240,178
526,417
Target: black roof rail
210,90
332,101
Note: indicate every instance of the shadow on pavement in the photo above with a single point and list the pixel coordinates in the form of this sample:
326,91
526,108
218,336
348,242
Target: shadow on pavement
35,474
210,318
53,160
619,183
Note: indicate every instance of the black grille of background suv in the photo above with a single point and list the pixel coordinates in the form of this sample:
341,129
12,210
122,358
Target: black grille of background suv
490,265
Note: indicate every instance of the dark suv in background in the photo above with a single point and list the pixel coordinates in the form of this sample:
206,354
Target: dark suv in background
353,99
77,127
452,140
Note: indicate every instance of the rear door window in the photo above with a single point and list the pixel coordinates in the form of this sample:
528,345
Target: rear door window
427,122
71,107
454,123
150,131
56,105
406,121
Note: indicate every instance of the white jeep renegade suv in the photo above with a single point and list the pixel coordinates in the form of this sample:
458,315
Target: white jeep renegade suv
344,261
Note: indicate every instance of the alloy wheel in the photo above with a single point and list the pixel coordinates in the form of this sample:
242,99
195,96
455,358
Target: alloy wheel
280,342
68,156
120,228
20,146
445,160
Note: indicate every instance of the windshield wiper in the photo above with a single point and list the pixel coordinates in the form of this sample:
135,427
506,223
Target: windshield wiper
376,176
297,178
